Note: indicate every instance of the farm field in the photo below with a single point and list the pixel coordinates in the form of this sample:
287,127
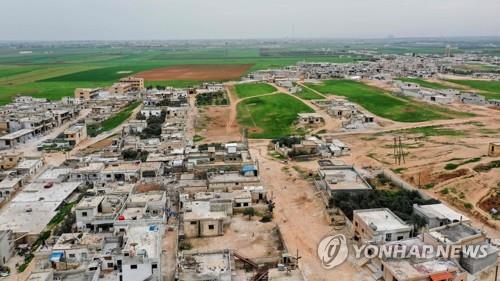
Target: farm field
489,89
378,102
307,94
54,72
205,72
270,116
425,83
253,89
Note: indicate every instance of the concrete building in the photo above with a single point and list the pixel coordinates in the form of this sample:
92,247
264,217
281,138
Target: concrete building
379,226
136,83
86,94
494,149
200,221
17,138
99,212
437,215
29,166
75,134
310,119
6,246
229,181
341,178
194,266
125,172
10,160
121,89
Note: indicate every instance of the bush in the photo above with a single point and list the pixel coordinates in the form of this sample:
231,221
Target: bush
250,212
185,246
267,218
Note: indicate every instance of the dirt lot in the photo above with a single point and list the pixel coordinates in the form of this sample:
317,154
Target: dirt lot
300,215
441,165
200,72
250,238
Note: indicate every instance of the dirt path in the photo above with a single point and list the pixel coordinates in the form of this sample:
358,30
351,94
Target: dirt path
300,215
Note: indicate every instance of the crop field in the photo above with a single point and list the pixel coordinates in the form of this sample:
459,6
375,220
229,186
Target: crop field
204,72
489,89
425,83
253,89
270,116
307,94
381,103
54,72
114,121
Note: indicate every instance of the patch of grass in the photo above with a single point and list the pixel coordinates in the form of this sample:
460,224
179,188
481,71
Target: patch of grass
433,131
425,83
253,89
399,170
445,191
307,94
381,103
489,89
114,121
197,138
453,166
487,167
270,117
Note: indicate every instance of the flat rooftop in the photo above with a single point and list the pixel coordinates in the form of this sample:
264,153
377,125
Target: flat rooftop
197,210
343,178
27,217
53,174
16,134
36,192
231,177
383,219
206,266
442,211
143,238
453,232
404,269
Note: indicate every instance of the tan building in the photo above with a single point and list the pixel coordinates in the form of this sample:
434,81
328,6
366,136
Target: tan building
10,160
379,226
86,94
201,221
136,82
494,149
75,134
121,88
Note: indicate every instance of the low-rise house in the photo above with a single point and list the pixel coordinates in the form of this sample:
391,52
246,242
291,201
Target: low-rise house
151,171
196,266
472,98
98,212
88,173
494,149
144,207
341,178
9,185
121,89
229,181
141,257
126,172
29,166
437,215
10,160
200,221
379,226
75,134
136,83
16,138
86,94
310,119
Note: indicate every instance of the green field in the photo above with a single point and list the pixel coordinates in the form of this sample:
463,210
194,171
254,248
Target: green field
489,89
424,83
270,116
308,94
253,89
53,72
114,121
384,104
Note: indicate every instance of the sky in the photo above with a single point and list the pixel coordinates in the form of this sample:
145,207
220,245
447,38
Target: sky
244,19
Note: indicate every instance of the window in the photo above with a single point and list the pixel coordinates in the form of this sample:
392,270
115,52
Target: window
388,237
154,265
400,238
84,214
110,264
133,266
356,223
71,255
193,222
211,226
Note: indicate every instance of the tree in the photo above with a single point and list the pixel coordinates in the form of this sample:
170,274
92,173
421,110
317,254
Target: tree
250,212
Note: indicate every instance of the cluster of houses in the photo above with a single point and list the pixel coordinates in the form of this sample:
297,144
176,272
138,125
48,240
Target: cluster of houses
351,115
442,96
381,227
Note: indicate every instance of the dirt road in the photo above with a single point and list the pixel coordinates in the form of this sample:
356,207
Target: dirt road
300,215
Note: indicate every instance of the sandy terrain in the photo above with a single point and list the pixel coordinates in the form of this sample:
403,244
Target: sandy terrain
202,72
250,238
300,216
427,158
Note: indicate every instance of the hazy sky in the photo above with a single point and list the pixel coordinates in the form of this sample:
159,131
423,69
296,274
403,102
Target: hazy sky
208,19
